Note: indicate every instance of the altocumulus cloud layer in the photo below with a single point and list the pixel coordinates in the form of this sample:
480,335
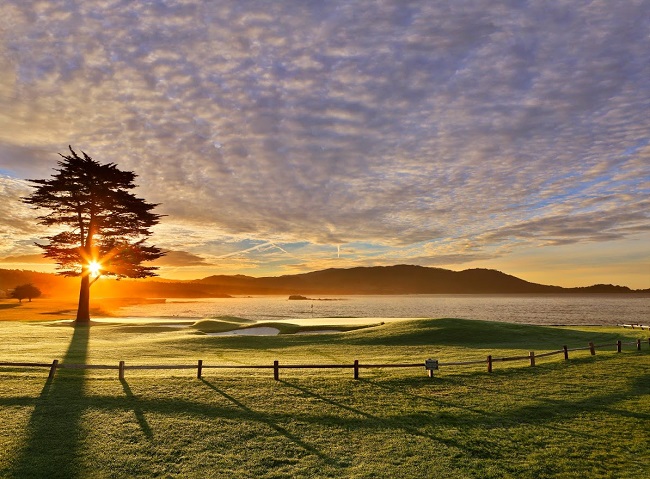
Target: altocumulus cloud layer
426,131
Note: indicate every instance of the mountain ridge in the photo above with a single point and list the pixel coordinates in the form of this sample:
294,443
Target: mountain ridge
397,279
400,279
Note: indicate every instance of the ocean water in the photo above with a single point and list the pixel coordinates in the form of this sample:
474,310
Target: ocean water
565,309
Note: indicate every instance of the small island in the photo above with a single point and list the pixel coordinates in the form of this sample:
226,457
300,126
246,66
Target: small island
298,297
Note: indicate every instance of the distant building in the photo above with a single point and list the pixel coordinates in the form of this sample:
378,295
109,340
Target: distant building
3,294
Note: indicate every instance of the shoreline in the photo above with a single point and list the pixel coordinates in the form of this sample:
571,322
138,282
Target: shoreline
548,310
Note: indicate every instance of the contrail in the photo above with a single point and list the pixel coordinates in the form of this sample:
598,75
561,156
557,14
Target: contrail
259,247
248,250
281,249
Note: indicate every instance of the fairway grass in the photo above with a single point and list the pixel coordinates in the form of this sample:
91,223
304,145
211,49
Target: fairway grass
586,417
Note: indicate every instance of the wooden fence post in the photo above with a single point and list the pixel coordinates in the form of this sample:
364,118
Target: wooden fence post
638,345
356,369
531,355
489,363
276,370
618,346
592,349
566,353
55,363
199,369
121,369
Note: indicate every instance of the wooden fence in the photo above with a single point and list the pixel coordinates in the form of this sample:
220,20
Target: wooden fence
429,365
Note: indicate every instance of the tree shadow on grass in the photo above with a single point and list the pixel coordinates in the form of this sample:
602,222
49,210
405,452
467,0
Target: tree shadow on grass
54,432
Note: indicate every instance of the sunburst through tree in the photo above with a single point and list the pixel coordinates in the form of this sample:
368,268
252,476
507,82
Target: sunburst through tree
104,225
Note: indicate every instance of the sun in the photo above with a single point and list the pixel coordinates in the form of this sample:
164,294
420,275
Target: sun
94,268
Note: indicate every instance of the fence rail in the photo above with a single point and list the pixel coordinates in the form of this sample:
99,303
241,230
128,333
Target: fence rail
429,365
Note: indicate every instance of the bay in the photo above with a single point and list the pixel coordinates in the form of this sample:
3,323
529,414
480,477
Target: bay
540,309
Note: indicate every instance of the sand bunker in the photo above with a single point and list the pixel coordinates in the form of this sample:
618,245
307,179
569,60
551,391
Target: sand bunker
265,331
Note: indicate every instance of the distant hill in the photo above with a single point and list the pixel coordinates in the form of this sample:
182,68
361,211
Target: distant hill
400,279
53,285
49,284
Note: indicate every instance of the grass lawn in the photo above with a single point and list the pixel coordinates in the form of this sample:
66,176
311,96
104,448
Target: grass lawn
587,417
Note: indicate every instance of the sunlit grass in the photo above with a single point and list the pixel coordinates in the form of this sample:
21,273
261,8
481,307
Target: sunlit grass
444,339
51,309
583,418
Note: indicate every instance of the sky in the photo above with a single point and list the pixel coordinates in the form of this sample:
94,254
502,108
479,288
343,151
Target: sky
281,137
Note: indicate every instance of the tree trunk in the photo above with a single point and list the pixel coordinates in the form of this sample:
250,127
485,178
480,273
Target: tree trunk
83,311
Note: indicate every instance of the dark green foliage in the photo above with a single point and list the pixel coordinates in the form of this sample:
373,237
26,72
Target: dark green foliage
23,291
105,222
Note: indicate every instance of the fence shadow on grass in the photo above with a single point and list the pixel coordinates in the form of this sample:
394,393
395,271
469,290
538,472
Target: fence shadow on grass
329,401
137,410
260,417
401,387
535,409
421,424
548,409
54,432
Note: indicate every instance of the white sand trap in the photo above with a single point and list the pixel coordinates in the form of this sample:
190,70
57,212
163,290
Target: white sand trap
249,332
320,331
343,321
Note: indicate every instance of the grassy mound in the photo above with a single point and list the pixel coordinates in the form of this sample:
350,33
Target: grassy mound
220,324
483,334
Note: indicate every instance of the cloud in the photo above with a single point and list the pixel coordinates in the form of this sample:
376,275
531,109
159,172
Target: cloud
25,258
18,225
181,258
386,123
590,226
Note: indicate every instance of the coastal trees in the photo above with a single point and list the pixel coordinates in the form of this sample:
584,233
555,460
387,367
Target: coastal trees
23,291
102,225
